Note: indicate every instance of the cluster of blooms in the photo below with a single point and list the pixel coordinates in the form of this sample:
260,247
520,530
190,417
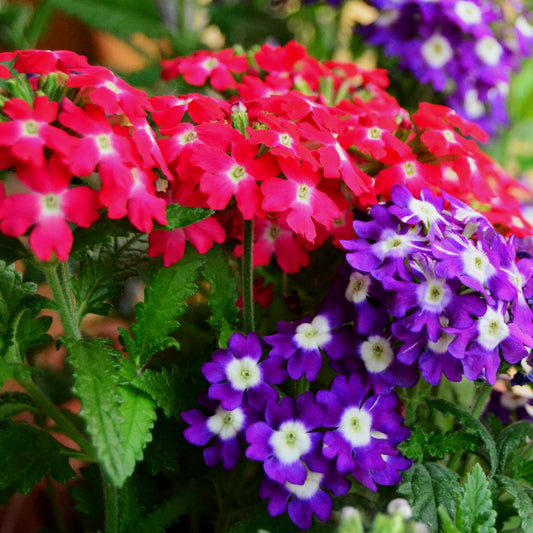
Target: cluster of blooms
466,49
309,445
297,144
429,288
78,140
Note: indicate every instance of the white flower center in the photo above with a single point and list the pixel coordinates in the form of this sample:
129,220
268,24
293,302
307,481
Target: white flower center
243,373
492,329
226,424
357,289
409,169
489,50
474,107
104,143
314,335
355,426
436,51
237,173
468,12
30,128
309,488
376,353
523,26
51,204
426,211
303,193
285,139
290,442
477,265
434,294
441,346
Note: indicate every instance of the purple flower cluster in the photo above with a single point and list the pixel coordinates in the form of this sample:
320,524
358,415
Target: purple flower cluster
310,446
466,49
452,294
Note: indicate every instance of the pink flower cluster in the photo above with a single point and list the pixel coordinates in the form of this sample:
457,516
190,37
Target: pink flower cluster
78,140
297,144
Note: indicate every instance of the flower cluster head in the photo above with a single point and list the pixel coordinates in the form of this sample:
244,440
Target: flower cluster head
312,445
78,141
454,294
466,49
296,144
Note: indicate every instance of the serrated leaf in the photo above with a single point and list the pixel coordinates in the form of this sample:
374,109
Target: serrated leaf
27,331
163,387
428,485
103,271
100,232
138,413
165,515
475,513
163,304
27,453
510,439
472,423
13,371
522,500
223,295
179,216
120,17
12,249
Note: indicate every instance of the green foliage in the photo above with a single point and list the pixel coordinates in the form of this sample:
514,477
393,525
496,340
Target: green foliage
179,216
12,249
472,424
428,486
165,515
120,17
13,403
28,453
475,513
522,497
422,445
163,303
259,521
103,270
511,439
118,419
222,296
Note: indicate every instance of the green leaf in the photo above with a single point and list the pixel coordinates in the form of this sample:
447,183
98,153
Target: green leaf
223,295
13,371
261,520
522,500
120,17
511,439
163,387
13,403
28,331
428,485
27,453
119,419
103,271
163,303
104,230
472,423
180,216
475,513
12,249
446,521
165,515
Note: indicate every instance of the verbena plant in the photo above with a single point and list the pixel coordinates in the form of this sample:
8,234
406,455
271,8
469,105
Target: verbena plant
332,288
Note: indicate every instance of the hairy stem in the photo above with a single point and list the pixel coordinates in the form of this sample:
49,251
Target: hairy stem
481,398
111,506
248,276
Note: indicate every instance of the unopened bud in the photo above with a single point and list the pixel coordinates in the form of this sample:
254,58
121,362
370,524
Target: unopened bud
350,521
400,506
239,117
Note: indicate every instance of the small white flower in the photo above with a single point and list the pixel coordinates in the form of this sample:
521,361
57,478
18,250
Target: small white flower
290,441
226,424
355,426
476,264
357,289
243,373
376,353
314,335
436,51
489,50
434,295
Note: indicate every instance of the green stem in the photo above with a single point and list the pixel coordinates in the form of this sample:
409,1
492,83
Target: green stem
481,398
111,506
59,281
55,507
248,276
62,422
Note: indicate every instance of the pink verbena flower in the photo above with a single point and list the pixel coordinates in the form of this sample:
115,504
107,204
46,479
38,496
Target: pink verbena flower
47,207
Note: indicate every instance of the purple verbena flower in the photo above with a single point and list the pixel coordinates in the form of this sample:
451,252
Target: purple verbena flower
237,376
